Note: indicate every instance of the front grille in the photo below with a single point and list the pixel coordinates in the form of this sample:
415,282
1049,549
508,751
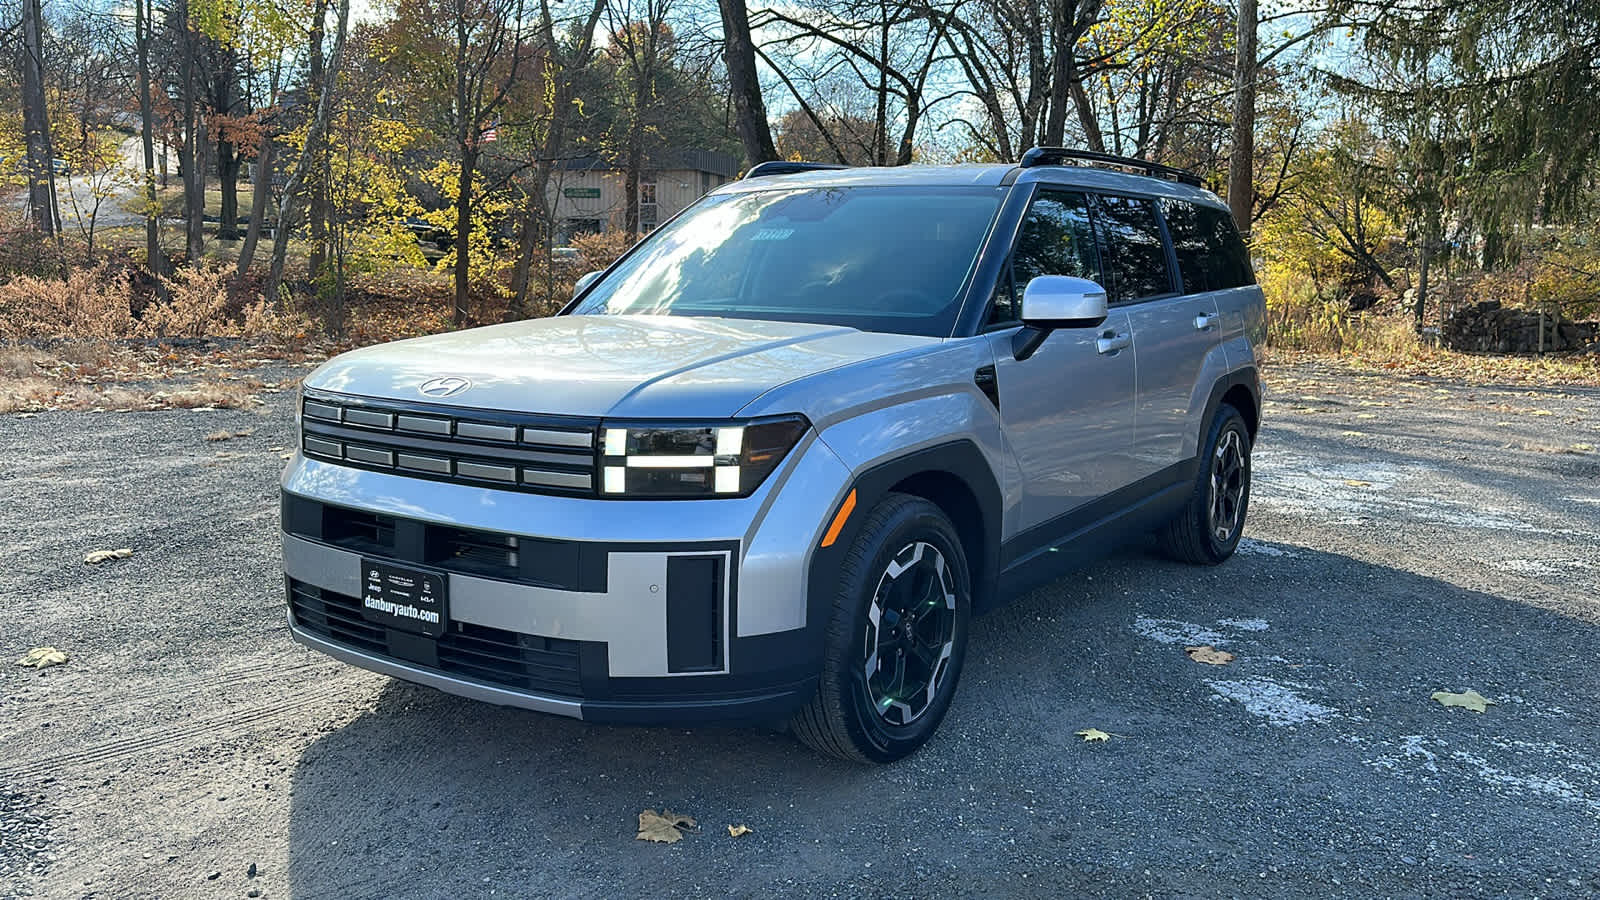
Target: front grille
505,658
542,454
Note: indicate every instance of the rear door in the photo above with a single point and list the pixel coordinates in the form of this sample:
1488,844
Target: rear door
1175,329
1067,410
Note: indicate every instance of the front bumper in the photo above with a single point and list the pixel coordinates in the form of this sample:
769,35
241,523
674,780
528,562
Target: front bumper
606,610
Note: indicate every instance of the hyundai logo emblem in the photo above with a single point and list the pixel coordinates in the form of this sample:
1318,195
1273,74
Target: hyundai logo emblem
448,386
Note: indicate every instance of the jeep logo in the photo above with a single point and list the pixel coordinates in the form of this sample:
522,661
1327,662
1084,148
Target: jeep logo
448,386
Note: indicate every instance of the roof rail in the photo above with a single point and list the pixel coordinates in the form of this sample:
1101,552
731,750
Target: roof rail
1055,156
787,167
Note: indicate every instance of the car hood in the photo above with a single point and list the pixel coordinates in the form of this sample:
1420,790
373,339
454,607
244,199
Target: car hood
644,366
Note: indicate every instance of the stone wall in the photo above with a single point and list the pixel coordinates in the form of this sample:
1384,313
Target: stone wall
1488,326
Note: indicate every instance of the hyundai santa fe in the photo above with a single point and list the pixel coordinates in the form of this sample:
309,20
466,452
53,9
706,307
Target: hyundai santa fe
768,464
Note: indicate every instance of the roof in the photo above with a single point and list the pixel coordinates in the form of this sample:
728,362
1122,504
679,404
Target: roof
1094,178
711,161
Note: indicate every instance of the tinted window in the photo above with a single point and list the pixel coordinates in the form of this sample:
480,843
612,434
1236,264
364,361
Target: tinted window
1211,256
1136,258
876,258
1055,239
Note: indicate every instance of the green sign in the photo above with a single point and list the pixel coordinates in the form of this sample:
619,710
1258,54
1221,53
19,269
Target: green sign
581,193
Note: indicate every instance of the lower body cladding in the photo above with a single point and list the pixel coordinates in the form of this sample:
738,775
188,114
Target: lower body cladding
642,632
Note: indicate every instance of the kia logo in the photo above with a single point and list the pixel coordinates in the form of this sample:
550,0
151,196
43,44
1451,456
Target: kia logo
448,386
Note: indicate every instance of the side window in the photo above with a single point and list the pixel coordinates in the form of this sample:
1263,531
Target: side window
1055,239
1136,257
1211,256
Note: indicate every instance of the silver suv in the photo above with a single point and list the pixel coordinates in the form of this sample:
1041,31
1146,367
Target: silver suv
768,464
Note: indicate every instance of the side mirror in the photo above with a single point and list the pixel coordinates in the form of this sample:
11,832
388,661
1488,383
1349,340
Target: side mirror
1056,301
1061,301
587,279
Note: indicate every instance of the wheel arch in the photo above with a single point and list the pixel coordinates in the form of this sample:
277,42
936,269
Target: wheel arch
1240,389
955,477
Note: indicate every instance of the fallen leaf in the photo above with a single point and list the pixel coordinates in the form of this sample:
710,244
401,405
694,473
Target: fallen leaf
1469,700
663,828
1093,734
1353,434
99,556
1354,482
1209,655
43,658
226,435
739,830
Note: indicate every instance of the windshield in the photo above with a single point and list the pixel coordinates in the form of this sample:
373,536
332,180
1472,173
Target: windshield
875,258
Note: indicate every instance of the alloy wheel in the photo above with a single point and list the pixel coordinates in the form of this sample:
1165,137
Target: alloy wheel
910,633
1227,486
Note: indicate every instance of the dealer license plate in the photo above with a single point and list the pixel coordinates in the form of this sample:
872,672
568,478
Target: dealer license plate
404,598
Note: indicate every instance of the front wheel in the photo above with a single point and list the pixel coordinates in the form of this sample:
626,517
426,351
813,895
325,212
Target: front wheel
1207,531
897,639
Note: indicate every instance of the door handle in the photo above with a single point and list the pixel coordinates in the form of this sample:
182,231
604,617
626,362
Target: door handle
1111,342
1204,321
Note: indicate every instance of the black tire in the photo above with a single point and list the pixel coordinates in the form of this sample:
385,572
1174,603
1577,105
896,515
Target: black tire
1194,536
844,718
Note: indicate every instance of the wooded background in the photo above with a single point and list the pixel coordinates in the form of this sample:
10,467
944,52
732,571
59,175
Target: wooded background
1403,157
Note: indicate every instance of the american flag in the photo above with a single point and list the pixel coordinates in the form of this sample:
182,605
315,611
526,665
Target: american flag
492,133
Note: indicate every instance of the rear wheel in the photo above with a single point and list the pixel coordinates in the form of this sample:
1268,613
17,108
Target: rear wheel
1207,531
897,639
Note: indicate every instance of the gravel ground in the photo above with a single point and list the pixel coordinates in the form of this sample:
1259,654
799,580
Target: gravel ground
1405,537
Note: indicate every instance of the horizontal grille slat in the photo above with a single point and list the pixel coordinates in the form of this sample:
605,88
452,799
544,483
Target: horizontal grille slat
511,451
524,661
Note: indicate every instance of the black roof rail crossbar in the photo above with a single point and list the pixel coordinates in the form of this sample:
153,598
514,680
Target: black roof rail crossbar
1053,156
787,167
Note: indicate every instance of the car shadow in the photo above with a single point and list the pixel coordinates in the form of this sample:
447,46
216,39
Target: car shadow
1313,761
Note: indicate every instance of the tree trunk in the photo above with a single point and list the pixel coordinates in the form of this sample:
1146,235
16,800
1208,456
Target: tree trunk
194,182
316,167
189,153
314,138
154,258
228,163
260,186
749,111
36,123
630,179
1242,160
469,165
223,100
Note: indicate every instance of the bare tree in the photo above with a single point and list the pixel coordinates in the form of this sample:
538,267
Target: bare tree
489,51
563,59
316,134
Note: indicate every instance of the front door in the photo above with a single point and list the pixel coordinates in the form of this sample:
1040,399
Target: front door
1067,411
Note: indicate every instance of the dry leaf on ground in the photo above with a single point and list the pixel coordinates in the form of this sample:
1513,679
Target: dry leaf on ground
99,556
43,658
739,830
228,435
664,828
1209,655
1093,734
1469,699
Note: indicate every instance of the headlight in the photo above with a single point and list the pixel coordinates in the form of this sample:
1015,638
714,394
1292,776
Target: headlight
721,460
